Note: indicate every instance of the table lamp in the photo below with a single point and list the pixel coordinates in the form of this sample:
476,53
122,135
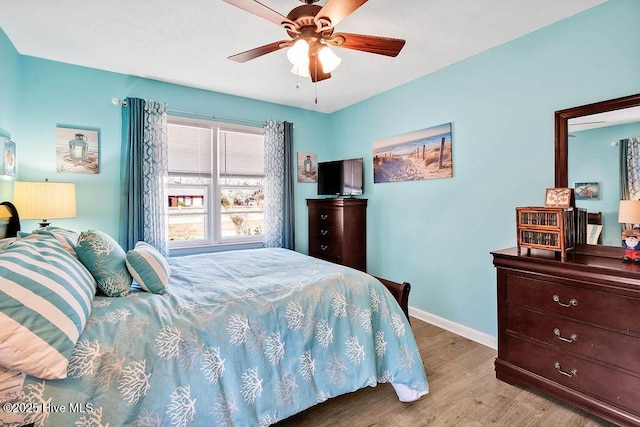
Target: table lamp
45,200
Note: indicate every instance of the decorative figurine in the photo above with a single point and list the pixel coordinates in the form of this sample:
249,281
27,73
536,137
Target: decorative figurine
631,243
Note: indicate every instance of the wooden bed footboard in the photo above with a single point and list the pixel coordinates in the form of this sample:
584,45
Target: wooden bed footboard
400,292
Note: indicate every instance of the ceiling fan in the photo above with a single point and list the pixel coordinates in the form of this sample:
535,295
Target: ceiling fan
311,28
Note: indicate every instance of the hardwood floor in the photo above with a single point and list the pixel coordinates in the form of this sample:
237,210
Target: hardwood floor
463,392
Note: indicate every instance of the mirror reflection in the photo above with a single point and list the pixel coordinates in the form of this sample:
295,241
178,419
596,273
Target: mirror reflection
594,167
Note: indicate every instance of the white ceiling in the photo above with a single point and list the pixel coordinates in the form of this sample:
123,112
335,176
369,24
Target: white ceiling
609,118
187,42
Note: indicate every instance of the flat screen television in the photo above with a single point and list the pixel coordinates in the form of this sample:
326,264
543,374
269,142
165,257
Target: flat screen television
340,178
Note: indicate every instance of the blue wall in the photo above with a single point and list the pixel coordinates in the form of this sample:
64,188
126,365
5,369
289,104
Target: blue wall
437,234
9,99
56,93
594,157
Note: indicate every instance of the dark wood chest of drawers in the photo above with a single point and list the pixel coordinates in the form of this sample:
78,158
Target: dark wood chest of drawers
338,231
571,328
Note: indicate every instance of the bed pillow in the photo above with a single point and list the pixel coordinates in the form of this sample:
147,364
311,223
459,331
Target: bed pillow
45,300
4,243
105,259
67,238
593,233
148,267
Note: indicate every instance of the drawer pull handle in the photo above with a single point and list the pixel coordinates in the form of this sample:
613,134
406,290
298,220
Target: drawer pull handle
324,216
324,232
324,247
572,302
572,338
573,373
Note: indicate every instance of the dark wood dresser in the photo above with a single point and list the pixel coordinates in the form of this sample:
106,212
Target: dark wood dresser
338,231
571,328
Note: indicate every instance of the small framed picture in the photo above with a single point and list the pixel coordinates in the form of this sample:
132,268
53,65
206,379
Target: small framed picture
587,191
8,164
77,150
559,198
307,167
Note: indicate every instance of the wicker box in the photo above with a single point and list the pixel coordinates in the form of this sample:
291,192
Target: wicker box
547,228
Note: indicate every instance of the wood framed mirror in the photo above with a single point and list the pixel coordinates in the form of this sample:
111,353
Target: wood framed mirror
562,130
562,118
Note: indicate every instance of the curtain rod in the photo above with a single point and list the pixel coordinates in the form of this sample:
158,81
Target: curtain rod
217,117
117,101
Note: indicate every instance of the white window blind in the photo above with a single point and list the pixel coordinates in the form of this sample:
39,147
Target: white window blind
189,150
240,154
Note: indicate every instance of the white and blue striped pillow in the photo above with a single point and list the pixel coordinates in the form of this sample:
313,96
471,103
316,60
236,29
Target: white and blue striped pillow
148,267
45,301
67,238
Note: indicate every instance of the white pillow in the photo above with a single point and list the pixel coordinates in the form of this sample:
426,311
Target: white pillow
593,233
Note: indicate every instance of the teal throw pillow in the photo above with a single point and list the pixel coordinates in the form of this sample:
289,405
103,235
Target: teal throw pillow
105,259
148,267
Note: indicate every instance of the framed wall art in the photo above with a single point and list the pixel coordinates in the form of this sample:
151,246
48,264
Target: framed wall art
423,154
8,164
587,191
559,198
307,167
77,150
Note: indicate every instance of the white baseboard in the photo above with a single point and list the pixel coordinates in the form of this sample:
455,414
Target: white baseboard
456,328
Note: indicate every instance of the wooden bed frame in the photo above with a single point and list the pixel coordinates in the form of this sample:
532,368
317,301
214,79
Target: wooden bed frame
400,292
13,225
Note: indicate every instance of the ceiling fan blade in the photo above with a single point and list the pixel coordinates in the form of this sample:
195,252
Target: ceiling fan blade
336,10
258,9
315,69
259,51
372,44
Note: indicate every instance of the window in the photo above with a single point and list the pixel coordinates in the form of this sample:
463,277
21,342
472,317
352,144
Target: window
216,183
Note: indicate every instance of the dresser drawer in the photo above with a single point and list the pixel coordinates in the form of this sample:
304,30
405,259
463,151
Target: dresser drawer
601,308
325,249
325,232
577,337
613,386
326,216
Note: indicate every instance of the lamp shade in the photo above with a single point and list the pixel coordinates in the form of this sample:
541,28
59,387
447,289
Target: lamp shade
328,59
45,200
5,213
629,212
298,54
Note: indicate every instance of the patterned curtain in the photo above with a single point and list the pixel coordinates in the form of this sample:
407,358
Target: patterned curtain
144,174
278,164
630,169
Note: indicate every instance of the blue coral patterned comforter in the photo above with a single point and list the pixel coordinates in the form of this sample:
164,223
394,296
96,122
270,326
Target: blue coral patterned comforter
241,338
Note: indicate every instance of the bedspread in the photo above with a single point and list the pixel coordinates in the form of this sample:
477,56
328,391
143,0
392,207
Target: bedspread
241,338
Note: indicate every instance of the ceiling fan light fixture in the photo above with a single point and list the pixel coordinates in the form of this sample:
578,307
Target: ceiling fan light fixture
328,59
298,54
302,71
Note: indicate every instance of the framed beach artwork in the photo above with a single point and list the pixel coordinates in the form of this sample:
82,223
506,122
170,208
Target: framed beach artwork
8,164
423,154
307,167
587,191
76,150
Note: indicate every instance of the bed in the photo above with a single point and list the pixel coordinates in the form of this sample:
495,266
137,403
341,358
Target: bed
246,337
